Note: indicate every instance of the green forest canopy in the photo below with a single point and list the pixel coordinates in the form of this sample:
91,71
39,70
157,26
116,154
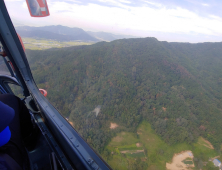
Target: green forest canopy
176,87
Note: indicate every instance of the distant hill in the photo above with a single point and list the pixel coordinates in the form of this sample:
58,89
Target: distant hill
63,33
108,36
59,33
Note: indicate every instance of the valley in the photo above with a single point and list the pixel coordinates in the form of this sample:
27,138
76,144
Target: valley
42,44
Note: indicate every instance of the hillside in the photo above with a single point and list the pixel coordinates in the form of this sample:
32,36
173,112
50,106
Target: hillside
176,87
146,150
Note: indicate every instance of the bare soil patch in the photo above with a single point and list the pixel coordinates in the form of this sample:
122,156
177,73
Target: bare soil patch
177,161
113,125
138,144
164,109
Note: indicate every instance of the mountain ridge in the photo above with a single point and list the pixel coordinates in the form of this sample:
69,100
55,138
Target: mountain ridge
59,33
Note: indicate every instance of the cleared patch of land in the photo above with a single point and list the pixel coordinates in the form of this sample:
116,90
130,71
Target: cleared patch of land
156,152
205,142
138,144
164,108
124,140
180,161
118,139
113,125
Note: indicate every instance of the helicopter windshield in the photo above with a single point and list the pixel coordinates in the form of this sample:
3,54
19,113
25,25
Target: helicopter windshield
139,81
3,67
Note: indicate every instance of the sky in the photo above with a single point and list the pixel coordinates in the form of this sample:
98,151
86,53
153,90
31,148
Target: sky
168,20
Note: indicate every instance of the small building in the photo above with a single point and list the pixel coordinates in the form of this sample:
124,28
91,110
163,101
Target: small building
217,162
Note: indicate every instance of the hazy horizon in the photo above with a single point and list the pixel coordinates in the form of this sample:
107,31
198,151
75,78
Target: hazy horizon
172,21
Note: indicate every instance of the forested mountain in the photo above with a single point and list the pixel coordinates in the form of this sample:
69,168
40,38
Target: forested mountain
59,33
176,87
105,36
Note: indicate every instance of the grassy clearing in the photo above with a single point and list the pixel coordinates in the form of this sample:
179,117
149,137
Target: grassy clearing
129,147
123,139
155,149
188,161
204,142
118,162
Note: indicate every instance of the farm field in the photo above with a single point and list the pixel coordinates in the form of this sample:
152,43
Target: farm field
146,150
41,44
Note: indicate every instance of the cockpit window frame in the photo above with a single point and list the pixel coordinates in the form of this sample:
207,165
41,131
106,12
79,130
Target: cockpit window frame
76,148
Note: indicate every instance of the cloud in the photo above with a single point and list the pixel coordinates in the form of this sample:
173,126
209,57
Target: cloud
125,1
205,4
144,18
153,3
125,18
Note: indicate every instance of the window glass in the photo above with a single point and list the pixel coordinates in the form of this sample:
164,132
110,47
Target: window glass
145,90
3,68
17,90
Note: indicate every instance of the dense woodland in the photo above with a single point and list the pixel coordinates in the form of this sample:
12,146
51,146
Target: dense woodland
177,87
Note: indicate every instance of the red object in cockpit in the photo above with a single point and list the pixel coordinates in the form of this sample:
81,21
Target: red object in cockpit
44,92
20,39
